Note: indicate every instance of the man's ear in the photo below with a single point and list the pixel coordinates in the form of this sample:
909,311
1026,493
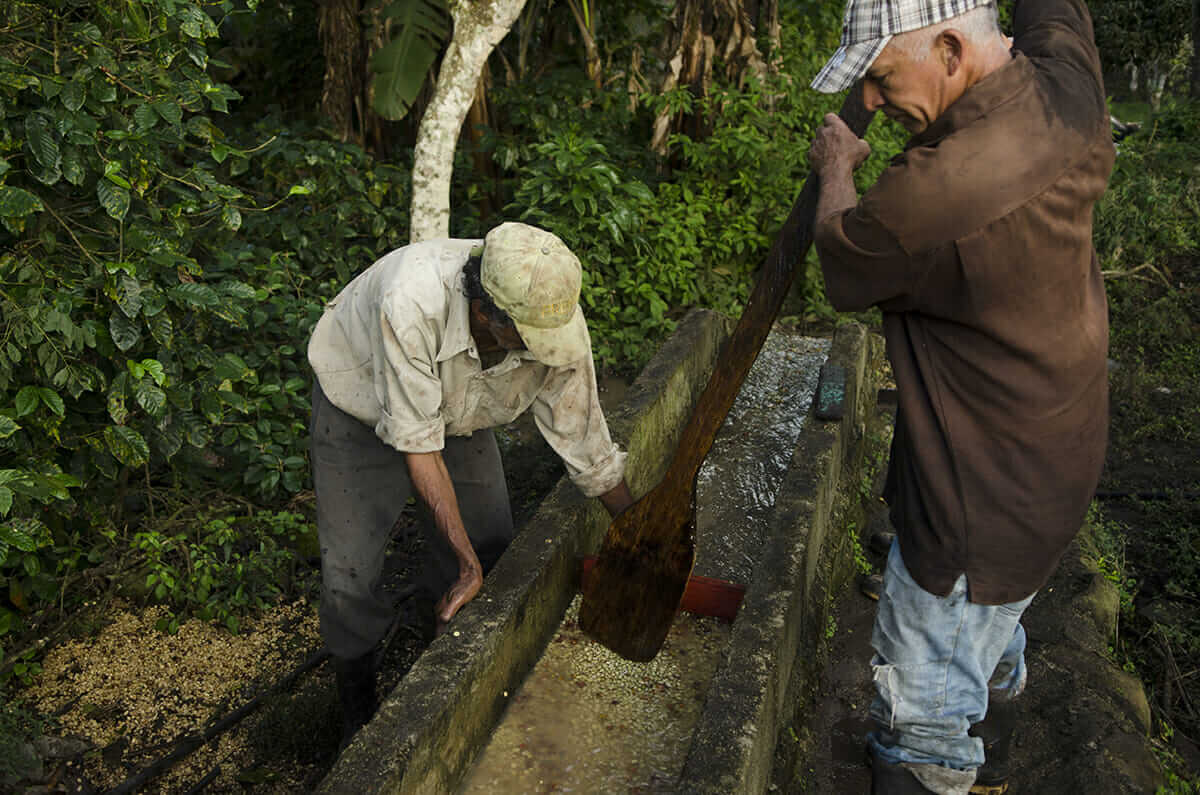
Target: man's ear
950,46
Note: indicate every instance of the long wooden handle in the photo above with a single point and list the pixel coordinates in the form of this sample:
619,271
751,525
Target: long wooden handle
644,564
741,349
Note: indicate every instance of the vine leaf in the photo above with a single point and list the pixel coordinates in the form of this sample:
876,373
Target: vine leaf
39,133
17,203
116,399
400,66
170,111
26,401
150,397
52,400
125,333
73,95
20,533
113,198
129,295
145,117
127,445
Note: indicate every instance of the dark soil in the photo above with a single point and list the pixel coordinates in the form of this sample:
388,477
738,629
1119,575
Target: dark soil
1084,722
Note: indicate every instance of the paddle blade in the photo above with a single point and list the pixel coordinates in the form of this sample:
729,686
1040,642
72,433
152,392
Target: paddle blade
632,594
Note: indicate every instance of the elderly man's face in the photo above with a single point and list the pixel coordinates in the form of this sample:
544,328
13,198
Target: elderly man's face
912,92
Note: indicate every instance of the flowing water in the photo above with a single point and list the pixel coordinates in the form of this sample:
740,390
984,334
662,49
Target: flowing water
736,487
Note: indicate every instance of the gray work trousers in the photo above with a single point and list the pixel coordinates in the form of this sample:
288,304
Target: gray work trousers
362,485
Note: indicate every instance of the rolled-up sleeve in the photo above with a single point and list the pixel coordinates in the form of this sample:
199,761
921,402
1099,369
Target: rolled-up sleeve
863,263
567,412
408,387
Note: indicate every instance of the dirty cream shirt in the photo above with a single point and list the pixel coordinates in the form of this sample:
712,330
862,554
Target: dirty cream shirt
394,350
976,243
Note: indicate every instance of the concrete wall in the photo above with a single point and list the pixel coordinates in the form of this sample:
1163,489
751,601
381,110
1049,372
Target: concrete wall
426,733
781,626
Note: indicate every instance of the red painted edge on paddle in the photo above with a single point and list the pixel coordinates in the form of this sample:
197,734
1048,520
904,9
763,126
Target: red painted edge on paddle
703,596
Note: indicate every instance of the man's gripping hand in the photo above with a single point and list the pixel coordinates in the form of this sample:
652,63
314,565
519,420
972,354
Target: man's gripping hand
835,149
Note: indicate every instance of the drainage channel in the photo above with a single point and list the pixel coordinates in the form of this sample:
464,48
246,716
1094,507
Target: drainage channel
586,720
720,696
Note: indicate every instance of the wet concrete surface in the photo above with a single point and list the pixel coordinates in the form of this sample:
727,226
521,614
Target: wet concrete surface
737,484
586,720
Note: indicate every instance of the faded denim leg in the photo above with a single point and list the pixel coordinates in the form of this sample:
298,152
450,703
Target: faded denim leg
935,658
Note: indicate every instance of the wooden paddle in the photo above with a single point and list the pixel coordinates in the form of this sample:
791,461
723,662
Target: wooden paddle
633,592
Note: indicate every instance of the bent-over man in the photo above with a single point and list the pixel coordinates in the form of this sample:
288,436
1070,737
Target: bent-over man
976,243
416,360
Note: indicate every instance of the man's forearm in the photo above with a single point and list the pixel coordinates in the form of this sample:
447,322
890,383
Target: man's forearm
838,193
431,480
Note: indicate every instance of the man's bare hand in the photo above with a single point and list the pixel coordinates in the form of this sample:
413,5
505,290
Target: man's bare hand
835,149
470,580
617,499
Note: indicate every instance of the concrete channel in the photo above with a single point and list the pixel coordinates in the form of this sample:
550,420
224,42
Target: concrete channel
515,699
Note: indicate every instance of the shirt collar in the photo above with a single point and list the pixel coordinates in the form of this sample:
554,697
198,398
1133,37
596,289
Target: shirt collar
982,98
458,324
458,339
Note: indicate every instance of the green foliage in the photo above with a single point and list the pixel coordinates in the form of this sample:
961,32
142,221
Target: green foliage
1146,238
571,187
1143,32
224,568
1107,539
862,565
1151,211
419,30
655,240
17,727
159,277
116,183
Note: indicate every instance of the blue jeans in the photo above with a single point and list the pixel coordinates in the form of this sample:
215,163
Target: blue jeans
938,660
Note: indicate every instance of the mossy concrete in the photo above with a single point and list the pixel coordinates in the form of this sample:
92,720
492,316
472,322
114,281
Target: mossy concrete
1087,722
781,626
428,730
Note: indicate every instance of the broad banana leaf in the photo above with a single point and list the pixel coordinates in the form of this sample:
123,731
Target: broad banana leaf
420,29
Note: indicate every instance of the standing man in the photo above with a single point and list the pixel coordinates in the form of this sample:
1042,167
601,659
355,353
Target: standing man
976,244
416,360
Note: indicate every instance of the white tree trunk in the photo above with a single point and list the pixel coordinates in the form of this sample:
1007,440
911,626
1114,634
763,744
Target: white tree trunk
479,25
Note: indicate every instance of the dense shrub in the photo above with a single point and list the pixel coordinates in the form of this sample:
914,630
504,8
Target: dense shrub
116,185
159,275
656,239
1151,211
163,262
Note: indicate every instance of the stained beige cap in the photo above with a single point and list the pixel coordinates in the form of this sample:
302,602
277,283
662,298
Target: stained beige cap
532,275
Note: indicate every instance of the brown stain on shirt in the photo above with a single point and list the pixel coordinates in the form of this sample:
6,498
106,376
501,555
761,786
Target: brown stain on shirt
977,245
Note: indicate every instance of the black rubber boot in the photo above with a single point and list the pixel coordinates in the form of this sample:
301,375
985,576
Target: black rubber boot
356,691
996,731
889,779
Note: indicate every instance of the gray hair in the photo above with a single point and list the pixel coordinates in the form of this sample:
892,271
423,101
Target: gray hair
977,25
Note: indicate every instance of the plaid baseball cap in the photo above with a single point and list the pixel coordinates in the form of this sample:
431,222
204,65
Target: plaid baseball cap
867,27
532,275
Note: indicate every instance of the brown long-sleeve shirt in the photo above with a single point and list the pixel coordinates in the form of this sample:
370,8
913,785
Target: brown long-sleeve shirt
977,245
